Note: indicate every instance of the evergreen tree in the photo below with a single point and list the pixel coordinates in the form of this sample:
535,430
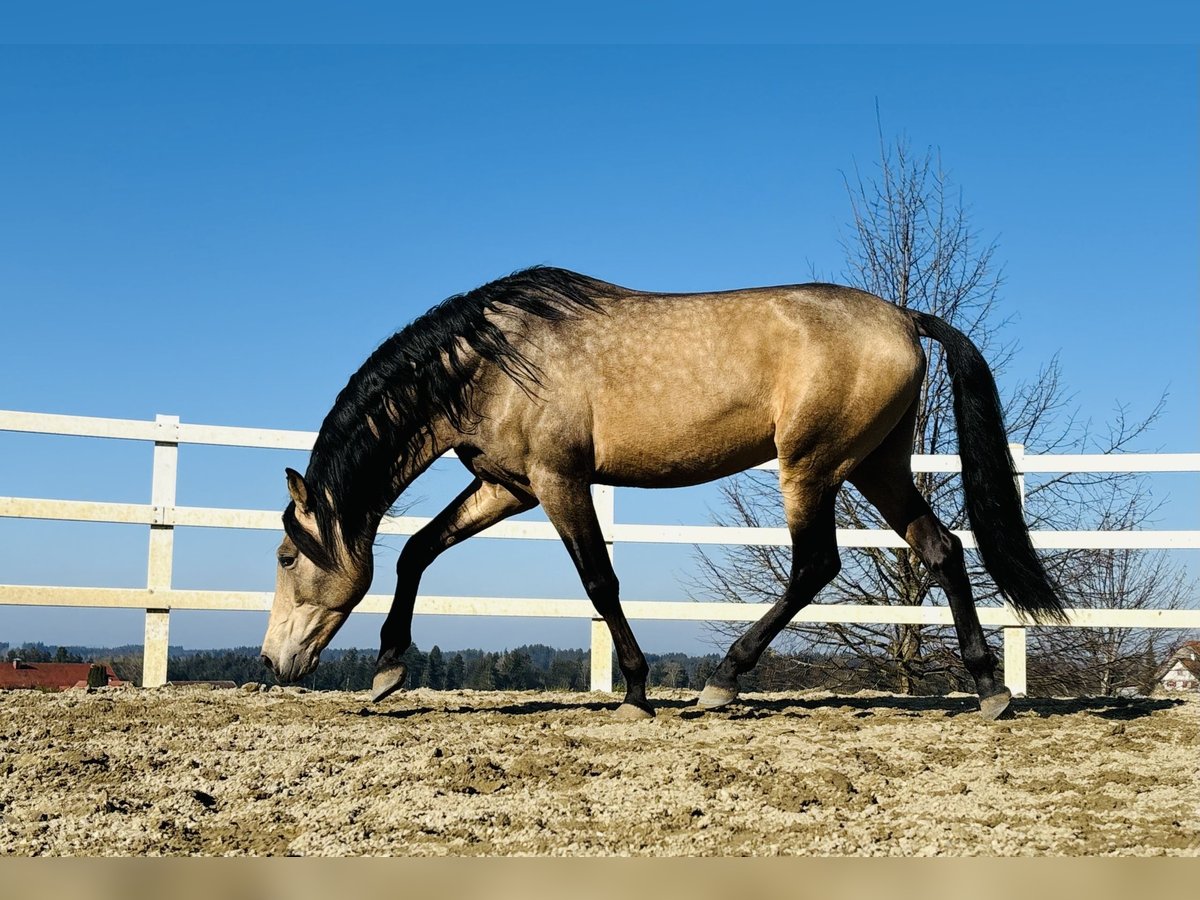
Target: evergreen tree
435,671
565,675
482,674
416,661
345,668
658,674
455,673
32,653
518,672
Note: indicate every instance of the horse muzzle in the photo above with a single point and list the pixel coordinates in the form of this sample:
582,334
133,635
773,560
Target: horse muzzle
291,667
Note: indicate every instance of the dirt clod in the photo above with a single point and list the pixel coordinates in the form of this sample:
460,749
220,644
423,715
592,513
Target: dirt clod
208,801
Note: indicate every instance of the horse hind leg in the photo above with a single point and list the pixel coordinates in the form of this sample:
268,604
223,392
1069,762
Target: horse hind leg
885,479
815,563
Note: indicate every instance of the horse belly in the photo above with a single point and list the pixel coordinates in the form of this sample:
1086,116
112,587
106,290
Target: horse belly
675,451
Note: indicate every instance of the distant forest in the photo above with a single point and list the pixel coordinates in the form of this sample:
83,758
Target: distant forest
530,667
538,667
526,668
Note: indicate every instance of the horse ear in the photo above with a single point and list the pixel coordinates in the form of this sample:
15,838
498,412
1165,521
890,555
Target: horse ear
297,488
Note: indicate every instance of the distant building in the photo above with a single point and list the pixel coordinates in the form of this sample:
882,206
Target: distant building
1183,669
50,676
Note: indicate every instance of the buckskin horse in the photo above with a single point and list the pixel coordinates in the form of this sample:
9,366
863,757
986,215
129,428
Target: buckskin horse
546,382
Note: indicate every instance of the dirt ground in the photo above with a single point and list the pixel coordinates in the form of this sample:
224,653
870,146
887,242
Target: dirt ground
182,771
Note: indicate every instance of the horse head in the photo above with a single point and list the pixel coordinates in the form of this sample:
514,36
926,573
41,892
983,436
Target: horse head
317,583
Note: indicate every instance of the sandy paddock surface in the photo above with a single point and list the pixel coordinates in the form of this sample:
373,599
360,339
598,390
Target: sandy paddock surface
179,771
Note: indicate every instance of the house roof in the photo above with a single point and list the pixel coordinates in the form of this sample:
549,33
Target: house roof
48,676
1192,665
1188,665
1181,654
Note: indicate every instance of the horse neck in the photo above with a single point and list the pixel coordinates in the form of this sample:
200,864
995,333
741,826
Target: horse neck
434,445
439,436
437,442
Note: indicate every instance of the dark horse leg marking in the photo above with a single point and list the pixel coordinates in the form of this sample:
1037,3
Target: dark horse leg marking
815,563
480,506
569,508
885,479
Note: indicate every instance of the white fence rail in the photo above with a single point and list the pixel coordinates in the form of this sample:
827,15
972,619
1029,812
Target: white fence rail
162,516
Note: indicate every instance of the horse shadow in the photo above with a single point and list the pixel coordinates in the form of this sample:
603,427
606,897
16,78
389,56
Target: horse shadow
767,706
860,707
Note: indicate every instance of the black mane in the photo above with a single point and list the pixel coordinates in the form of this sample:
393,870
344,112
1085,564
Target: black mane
423,375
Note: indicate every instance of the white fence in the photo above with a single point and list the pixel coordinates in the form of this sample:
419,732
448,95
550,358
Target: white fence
162,516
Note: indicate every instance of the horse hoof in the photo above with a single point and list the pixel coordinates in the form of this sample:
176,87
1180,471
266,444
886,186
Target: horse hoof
386,682
991,708
713,697
627,712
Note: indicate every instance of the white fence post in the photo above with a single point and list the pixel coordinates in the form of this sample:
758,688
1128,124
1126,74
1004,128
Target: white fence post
604,499
1016,639
162,548
1015,646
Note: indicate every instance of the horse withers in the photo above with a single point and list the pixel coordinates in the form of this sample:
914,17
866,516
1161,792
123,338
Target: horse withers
546,382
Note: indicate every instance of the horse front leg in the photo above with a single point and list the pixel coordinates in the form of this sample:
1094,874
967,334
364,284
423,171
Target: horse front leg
569,507
478,507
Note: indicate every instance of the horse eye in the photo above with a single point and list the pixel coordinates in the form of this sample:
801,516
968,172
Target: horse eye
287,561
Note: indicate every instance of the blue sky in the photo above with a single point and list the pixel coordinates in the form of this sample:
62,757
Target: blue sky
752,22
224,233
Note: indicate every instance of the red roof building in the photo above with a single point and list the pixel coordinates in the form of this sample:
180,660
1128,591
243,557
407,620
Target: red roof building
19,675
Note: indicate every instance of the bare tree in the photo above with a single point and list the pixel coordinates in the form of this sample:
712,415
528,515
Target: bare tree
910,240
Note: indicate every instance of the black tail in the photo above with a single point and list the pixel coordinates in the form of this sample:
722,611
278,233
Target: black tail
993,504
